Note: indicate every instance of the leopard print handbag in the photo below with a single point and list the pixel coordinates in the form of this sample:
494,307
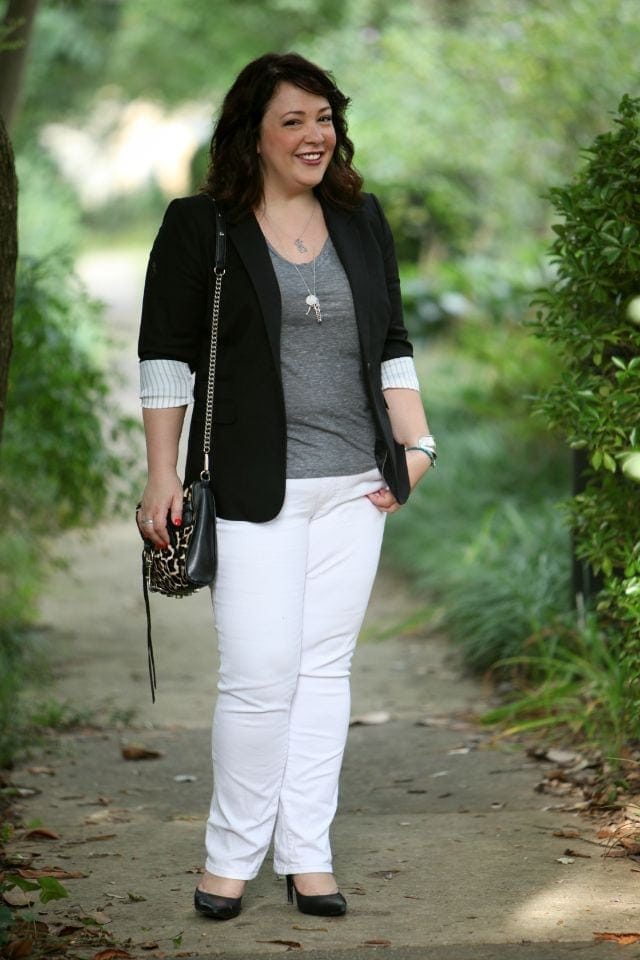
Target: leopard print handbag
190,560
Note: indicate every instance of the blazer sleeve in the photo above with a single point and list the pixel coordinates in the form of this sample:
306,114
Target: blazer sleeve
175,293
397,343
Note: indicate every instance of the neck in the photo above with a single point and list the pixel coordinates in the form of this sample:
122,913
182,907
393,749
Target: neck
276,201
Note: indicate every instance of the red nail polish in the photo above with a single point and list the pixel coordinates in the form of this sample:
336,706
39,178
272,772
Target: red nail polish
177,522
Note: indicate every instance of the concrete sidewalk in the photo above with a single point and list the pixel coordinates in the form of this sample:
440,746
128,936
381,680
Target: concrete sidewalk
444,849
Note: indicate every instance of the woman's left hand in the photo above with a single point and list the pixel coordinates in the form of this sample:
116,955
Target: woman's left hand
417,465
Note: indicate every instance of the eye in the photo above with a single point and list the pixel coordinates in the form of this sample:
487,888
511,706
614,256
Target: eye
291,123
327,118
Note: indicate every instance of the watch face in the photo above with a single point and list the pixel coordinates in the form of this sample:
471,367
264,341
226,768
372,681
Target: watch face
426,443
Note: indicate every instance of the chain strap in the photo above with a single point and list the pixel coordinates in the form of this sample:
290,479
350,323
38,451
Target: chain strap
219,272
213,353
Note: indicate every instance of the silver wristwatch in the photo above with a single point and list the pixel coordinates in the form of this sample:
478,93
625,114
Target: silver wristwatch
428,445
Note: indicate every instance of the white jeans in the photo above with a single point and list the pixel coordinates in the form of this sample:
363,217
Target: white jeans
289,601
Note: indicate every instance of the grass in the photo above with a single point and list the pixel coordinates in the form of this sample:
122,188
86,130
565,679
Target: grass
482,536
572,679
484,540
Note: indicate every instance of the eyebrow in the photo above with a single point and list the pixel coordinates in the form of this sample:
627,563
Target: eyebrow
303,113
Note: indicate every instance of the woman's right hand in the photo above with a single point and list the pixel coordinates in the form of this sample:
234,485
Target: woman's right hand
162,497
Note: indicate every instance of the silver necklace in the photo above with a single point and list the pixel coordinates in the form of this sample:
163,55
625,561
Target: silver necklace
298,242
311,300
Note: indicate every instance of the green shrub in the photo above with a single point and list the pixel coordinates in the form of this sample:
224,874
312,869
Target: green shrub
570,678
588,315
481,536
58,455
66,456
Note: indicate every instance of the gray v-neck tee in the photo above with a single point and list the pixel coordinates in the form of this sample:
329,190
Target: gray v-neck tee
330,430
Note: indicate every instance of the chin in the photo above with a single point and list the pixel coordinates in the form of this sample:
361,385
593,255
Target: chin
313,178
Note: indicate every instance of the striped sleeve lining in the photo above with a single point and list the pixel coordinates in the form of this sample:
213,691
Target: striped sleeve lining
399,373
165,383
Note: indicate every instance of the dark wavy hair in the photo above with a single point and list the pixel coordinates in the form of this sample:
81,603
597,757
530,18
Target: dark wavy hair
234,176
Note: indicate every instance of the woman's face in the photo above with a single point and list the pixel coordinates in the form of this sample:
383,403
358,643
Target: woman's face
297,139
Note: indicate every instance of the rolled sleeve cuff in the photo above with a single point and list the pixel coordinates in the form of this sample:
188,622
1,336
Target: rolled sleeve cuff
399,373
165,383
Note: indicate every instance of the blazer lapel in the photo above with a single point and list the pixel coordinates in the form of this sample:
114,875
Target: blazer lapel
344,231
252,249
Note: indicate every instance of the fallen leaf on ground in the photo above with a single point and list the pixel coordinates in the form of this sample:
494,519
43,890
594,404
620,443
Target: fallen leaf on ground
31,874
149,945
296,926
185,778
108,815
47,771
17,860
41,833
632,811
574,853
17,949
137,751
562,757
136,897
631,848
291,944
384,874
377,943
111,953
99,916
565,860
69,929
433,722
372,718
624,939
15,897
569,833
458,751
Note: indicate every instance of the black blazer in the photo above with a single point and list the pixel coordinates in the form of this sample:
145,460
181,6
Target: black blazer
249,429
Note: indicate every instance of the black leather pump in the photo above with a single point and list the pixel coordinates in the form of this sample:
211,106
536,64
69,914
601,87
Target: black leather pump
321,905
215,907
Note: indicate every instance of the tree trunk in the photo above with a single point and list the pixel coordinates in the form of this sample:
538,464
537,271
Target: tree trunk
15,32
8,257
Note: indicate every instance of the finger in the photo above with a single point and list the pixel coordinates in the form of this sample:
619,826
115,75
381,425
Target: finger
384,496
175,509
160,529
154,530
384,500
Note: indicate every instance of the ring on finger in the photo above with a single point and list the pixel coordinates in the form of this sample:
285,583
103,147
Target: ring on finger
149,520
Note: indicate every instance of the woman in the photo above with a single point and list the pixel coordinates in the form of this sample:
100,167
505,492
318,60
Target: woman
319,432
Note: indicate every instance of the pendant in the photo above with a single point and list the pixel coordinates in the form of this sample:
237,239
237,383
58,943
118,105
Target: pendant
299,245
313,302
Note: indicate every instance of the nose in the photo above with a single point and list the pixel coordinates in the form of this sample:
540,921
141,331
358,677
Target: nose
315,133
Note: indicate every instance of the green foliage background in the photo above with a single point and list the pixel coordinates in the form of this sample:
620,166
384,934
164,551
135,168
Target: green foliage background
595,402
464,114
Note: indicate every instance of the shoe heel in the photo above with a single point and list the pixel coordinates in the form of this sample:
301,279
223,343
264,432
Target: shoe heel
289,888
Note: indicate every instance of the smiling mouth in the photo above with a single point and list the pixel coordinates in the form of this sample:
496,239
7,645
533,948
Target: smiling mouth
309,156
